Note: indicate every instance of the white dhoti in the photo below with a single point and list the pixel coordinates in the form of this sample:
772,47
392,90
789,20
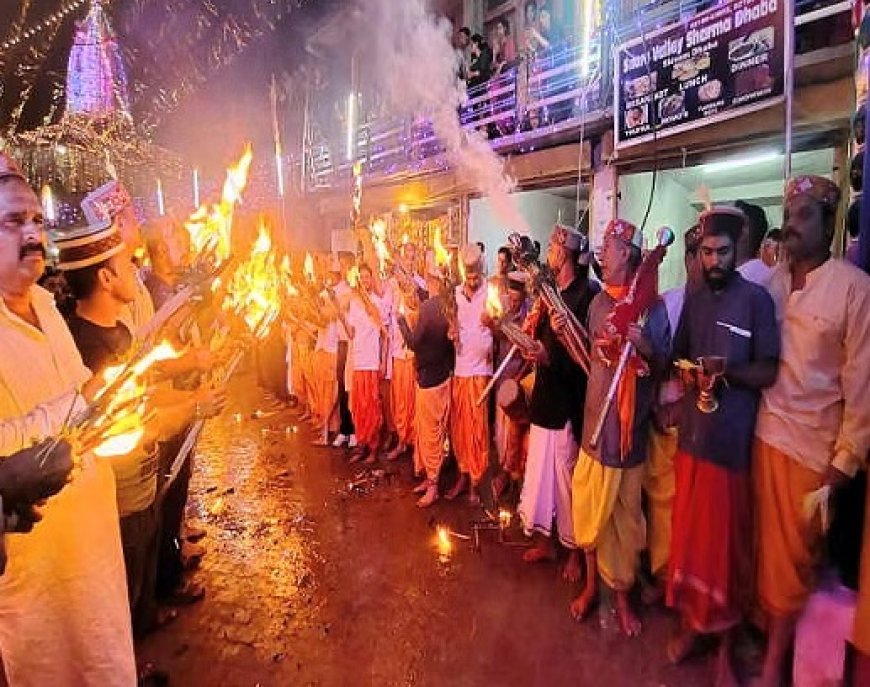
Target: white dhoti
546,494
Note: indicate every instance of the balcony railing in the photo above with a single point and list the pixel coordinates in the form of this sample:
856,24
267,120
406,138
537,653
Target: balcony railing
542,99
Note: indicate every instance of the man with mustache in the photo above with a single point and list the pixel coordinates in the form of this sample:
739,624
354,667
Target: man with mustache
710,559
609,525
64,618
813,429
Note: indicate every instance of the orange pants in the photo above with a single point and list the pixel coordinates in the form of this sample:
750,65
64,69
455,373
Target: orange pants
432,417
325,386
404,389
365,407
469,426
788,546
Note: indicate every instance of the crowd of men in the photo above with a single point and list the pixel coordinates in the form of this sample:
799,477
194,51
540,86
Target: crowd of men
735,413
736,407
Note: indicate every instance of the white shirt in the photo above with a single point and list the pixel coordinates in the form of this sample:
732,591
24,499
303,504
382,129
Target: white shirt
342,292
674,299
474,357
818,411
64,613
757,272
327,337
365,347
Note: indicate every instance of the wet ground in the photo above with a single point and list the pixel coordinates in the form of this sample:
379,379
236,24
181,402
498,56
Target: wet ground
315,576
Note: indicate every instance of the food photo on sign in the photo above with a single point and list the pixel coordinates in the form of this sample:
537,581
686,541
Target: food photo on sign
721,63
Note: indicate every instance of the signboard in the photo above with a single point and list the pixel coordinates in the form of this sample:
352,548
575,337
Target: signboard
719,64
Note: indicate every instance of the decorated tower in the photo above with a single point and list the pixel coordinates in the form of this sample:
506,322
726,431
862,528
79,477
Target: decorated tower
96,82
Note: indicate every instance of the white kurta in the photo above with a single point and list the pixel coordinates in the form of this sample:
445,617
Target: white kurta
64,616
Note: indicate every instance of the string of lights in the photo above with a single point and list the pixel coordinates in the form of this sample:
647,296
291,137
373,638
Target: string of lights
47,23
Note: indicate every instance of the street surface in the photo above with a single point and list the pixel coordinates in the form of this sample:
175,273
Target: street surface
312,580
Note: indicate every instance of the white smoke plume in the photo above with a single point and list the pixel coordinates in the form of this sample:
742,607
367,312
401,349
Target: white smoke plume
416,67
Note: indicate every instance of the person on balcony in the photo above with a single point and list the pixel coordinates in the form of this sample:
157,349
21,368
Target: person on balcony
504,47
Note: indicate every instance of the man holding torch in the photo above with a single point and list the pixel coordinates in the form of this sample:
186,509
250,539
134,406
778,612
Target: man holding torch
469,420
64,617
555,408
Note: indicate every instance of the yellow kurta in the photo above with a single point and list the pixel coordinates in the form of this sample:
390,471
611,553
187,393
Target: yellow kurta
64,617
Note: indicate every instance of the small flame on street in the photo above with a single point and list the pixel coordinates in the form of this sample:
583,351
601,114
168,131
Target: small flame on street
445,546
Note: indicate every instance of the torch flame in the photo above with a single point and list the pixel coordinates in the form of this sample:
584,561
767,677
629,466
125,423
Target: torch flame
308,268
405,239
379,241
493,302
353,277
121,428
254,291
210,229
442,256
287,277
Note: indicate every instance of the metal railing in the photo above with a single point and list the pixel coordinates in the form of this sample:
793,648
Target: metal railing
545,96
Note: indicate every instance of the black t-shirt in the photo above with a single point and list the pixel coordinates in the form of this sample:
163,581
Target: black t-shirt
434,354
560,386
99,346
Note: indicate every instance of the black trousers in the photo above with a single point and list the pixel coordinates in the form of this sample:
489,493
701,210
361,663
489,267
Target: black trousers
139,532
346,421
171,507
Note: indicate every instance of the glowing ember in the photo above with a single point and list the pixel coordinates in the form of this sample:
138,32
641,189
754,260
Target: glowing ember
210,229
493,302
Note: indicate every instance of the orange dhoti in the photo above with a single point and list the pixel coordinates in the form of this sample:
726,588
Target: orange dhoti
365,407
404,388
788,545
658,484
432,408
469,426
325,386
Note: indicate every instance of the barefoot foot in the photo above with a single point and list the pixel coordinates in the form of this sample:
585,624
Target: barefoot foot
583,604
628,620
538,553
460,486
571,571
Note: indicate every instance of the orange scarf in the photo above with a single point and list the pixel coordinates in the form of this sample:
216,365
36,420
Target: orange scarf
626,393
